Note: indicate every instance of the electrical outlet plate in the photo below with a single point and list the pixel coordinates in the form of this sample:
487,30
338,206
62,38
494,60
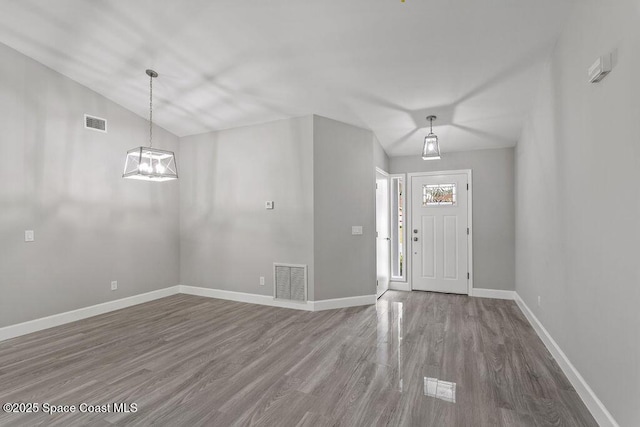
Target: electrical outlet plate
114,285
356,230
268,204
261,280
29,236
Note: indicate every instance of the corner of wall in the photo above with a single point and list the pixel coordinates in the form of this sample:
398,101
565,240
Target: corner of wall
343,196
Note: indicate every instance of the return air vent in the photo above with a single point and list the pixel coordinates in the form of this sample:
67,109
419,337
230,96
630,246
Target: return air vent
290,282
95,123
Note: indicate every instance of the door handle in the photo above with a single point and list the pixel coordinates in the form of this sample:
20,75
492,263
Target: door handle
387,238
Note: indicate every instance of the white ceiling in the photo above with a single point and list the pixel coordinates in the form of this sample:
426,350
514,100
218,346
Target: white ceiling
379,64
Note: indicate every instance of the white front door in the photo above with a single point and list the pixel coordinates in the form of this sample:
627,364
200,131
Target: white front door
438,234
383,238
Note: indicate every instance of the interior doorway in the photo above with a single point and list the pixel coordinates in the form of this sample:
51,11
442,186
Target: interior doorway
383,238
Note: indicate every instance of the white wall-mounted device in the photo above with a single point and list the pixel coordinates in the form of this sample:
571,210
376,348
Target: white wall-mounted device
269,204
600,68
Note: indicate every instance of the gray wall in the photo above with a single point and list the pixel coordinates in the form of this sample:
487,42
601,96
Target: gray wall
319,172
578,204
493,209
64,182
228,238
344,195
380,157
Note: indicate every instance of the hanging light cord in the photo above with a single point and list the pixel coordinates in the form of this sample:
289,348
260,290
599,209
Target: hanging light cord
431,126
150,111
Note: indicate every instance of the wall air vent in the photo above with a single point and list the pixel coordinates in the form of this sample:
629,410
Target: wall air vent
95,123
290,282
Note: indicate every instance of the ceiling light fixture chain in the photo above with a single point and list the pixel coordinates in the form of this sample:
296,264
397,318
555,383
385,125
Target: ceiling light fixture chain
152,74
150,110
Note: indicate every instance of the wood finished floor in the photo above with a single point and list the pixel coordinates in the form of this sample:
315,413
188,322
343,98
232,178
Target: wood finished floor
191,361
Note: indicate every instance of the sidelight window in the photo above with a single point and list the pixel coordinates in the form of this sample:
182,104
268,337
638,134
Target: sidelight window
398,261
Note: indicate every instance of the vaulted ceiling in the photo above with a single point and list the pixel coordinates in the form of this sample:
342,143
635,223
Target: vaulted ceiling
378,64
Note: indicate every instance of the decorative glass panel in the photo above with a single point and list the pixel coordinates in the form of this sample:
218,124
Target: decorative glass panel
439,195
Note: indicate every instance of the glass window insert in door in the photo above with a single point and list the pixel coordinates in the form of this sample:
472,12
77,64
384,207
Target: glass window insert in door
439,195
397,229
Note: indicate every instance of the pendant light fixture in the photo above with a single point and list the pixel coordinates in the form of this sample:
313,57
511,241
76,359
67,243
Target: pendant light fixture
431,149
148,163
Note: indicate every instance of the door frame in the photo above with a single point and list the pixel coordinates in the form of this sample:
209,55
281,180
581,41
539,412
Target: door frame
386,174
408,201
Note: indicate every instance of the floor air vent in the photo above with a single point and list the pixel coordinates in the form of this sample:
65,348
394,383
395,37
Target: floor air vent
290,282
95,123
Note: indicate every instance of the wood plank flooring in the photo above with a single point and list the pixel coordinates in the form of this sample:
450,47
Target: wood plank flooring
414,359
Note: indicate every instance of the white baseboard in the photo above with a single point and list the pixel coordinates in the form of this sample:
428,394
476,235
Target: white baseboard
400,286
327,304
36,325
244,297
595,406
493,293
330,304
475,292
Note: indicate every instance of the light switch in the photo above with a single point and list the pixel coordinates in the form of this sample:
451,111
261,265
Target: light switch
269,204
29,236
356,230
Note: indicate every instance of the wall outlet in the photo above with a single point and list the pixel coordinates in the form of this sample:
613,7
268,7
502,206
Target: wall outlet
539,301
114,285
269,204
261,280
356,230
29,236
